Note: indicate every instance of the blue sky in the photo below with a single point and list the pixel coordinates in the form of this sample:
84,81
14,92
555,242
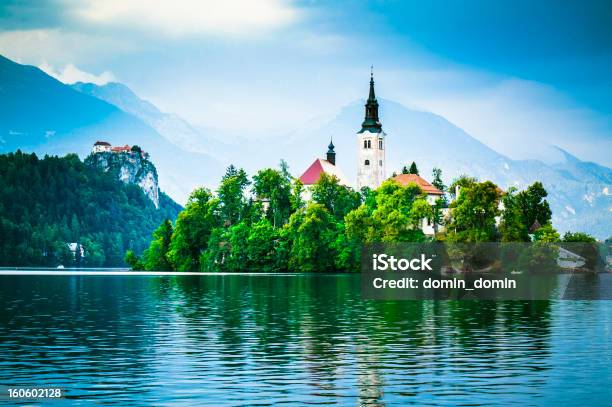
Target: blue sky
517,75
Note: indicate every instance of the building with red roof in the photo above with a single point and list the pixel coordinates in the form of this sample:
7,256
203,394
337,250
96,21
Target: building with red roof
119,149
405,179
318,168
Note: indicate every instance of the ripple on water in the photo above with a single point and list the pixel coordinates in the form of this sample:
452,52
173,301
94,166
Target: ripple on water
311,339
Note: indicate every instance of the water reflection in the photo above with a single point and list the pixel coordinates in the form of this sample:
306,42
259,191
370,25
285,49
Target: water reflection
271,339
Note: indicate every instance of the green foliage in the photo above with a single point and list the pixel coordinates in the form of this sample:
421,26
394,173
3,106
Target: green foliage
437,179
578,237
296,195
533,206
274,186
231,194
47,203
413,169
312,233
133,261
392,214
512,227
546,234
193,229
461,182
474,213
338,199
156,256
278,231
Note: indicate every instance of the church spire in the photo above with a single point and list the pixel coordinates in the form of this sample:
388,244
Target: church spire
331,154
371,122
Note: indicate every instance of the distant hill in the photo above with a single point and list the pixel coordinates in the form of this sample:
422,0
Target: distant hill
41,114
51,204
170,126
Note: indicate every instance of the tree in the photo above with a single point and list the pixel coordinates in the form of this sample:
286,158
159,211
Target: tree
405,170
413,169
578,237
274,186
296,195
312,231
156,256
262,246
437,180
49,202
338,199
533,206
193,228
391,213
546,234
133,261
461,182
474,212
512,227
231,194
441,202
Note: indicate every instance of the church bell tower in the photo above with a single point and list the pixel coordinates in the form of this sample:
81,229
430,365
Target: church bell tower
371,145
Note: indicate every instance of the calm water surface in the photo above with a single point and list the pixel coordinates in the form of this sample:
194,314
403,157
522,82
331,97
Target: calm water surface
243,339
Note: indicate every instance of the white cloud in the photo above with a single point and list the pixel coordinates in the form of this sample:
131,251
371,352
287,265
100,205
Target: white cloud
60,47
187,17
71,74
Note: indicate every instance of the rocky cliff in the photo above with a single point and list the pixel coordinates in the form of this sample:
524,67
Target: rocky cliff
131,168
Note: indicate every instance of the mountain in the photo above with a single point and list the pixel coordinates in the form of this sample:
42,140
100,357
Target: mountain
41,114
170,126
54,205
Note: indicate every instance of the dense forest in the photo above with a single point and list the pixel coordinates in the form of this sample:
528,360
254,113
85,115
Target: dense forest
52,205
263,223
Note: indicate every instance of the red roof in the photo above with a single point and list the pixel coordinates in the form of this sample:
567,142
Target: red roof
312,174
101,143
318,167
405,179
120,149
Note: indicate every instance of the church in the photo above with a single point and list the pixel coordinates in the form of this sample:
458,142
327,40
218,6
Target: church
371,161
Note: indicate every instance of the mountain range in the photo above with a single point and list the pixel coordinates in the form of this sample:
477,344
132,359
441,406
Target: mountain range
47,116
40,114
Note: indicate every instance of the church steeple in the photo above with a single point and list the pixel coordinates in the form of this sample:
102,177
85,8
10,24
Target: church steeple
371,122
331,154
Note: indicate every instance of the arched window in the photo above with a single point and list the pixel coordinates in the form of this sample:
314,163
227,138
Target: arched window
369,143
380,144
367,162
380,163
365,143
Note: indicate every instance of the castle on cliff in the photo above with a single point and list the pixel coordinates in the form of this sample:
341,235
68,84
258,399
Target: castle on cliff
106,147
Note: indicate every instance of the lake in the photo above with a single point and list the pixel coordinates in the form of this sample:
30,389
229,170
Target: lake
271,339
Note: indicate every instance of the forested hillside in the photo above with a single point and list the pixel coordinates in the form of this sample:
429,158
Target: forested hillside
46,204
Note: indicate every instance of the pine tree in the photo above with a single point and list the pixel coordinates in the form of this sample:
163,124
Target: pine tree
413,169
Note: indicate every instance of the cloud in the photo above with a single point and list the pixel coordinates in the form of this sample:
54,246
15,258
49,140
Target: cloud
71,74
186,17
61,47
